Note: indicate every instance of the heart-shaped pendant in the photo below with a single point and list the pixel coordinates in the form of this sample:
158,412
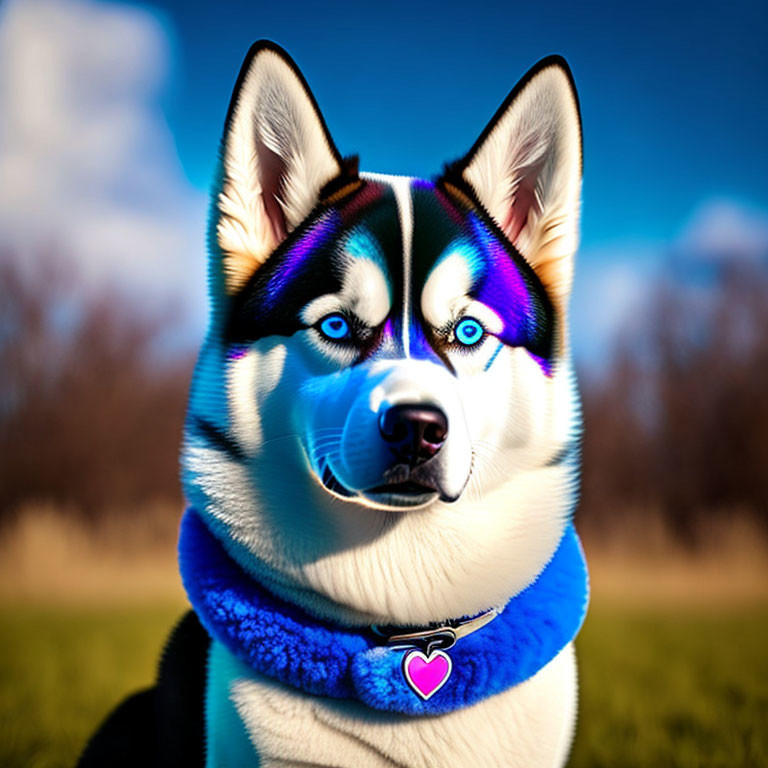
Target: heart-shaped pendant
426,675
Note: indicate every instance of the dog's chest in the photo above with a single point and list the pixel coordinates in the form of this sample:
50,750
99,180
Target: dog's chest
248,714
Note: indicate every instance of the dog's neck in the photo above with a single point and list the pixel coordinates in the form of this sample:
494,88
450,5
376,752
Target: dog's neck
412,675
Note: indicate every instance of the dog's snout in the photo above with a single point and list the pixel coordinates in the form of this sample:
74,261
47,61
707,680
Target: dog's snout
414,432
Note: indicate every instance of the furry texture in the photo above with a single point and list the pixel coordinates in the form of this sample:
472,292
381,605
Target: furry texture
312,521
276,158
285,643
293,407
286,466
528,725
527,174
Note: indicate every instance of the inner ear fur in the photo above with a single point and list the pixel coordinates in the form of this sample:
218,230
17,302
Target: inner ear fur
277,159
525,170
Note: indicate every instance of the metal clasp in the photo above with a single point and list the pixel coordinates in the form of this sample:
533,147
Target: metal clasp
441,637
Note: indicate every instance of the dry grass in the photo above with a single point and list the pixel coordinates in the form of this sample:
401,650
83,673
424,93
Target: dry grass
130,556
641,563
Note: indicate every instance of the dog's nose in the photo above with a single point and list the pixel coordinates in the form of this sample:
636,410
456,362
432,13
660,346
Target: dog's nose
414,433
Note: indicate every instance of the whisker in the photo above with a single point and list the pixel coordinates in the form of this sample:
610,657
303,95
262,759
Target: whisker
474,483
488,456
325,439
321,452
271,440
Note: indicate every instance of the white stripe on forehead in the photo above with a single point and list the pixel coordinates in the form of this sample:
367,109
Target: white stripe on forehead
401,186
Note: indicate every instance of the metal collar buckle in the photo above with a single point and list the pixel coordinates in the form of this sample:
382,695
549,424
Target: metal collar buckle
440,637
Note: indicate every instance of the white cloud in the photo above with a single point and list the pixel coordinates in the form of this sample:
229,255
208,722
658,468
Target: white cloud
615,284
88,166
723,230
612,290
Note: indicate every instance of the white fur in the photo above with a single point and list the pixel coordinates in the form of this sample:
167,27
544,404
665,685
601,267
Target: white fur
272,107
445,297
291,407
253,372
470,555
330,556
401,186
537,142
529,725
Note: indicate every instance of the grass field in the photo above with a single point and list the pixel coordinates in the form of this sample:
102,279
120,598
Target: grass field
663,688
673,657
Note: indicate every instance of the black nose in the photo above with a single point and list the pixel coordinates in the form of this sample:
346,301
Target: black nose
414,433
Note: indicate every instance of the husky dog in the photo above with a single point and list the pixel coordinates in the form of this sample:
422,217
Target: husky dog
381,450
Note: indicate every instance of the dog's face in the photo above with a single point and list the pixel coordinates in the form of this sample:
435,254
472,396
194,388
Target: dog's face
383,424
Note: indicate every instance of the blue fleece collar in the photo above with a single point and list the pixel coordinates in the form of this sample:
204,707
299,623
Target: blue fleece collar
285,643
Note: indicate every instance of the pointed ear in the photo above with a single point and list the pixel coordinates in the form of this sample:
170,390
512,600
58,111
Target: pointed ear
277,156
525,171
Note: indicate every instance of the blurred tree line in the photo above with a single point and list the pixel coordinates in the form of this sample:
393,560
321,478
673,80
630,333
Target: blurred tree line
92,403
91,399
679,425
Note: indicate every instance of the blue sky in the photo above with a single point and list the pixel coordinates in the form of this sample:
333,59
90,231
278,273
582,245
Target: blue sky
674,95
111,114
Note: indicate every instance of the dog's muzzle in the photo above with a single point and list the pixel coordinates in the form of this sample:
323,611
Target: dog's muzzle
414,433
412,436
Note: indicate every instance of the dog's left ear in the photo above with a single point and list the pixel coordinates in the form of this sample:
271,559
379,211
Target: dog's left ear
525,171
277,159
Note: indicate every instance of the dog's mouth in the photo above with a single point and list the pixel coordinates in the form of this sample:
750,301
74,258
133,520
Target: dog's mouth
403,488
407,494
331,482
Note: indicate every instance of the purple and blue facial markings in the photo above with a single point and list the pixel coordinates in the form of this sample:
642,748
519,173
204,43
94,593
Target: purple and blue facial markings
324,255
420,346
298,271
298,257
360,244
315,260
497,276
492,359
499,282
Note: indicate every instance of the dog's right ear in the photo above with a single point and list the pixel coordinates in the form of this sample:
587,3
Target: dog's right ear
277,157
525,172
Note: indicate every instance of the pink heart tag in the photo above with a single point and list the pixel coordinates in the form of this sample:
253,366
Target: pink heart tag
426,675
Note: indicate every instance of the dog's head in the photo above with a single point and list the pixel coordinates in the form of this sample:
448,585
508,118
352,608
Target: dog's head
383,424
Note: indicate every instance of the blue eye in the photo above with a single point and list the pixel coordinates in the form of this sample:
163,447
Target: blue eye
468,332
335,327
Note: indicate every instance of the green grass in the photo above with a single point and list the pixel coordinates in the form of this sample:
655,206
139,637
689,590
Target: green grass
670,688
657,689
62,669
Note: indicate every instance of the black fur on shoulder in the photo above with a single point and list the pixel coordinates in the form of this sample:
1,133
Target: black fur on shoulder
163,726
